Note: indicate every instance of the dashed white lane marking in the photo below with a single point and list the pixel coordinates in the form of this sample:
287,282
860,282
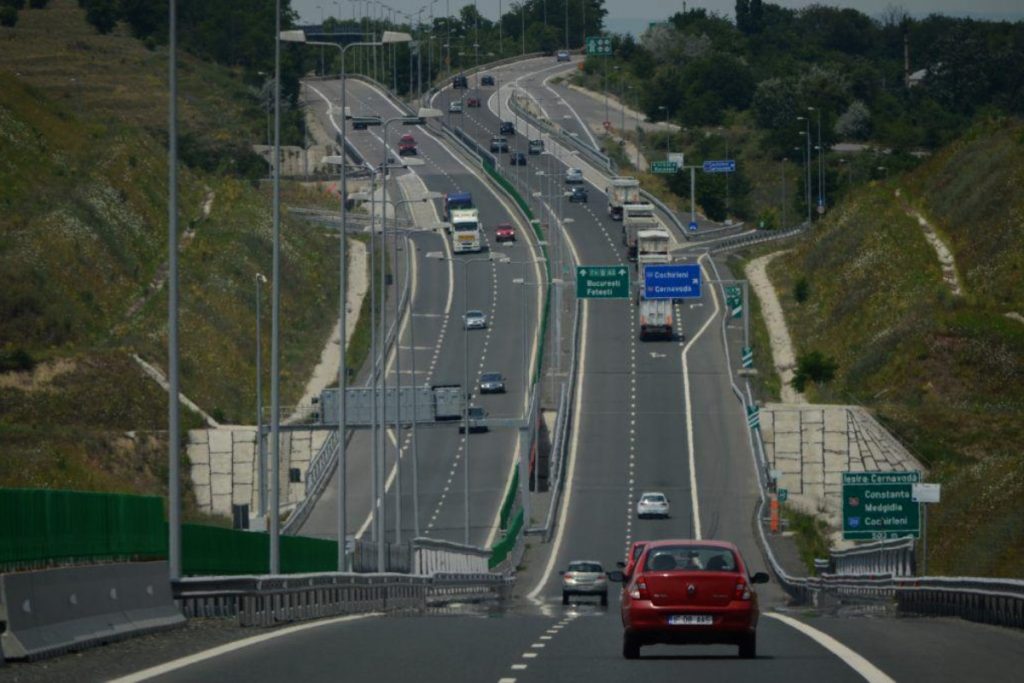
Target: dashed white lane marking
518,667
529,655
862,666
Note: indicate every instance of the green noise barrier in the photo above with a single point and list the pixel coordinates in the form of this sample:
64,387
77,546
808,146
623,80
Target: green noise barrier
501,549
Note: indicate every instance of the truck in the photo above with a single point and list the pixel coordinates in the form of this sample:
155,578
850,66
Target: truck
652,247
466,230
636,217
456,200
655,318
622,190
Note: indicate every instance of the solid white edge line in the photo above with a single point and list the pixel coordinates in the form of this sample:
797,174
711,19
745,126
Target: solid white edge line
694,498
857,662
182,662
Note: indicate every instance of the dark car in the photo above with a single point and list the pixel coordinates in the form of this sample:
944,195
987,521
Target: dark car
517,159
472,101
507,128
499,145
459,82
487,80
492,383
563,56
536,147
689,592
578,194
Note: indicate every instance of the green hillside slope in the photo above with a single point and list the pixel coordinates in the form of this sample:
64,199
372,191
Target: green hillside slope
83,253
945,372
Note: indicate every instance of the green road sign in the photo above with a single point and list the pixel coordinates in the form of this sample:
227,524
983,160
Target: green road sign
748,357
783,495
878,505
602,282
599,46
753,416
734,300
666,167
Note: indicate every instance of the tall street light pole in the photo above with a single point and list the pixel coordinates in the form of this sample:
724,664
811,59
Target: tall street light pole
807,163
275,343
300,37
261,454
173,418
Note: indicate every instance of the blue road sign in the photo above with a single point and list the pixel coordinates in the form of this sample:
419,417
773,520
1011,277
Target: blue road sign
672,281
693,226
720,166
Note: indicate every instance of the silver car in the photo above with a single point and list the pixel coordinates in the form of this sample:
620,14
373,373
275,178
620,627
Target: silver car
492,383
584,577
652,504
455,107
474,320
573,175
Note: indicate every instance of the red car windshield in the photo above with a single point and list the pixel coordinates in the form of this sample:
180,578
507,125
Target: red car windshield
689,558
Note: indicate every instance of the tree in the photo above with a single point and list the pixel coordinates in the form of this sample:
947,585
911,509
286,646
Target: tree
102,14
816,367
855,122
8,16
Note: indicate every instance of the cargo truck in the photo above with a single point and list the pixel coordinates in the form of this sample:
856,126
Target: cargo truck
636,217
621,190
456,200
655,318
652,247
466,230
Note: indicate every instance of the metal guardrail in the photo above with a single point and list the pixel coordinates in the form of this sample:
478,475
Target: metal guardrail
894,557
271,600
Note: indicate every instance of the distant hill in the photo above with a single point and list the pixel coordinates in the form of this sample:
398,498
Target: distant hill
945,372
83,253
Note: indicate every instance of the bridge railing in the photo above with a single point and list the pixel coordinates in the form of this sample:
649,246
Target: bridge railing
271,600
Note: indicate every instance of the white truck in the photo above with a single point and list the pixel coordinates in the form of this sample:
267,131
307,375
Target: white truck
636,217
655,318
621,190
466,230
652,246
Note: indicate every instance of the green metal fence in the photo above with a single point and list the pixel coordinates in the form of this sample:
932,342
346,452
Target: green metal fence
510,499
501,549
43,527
40,528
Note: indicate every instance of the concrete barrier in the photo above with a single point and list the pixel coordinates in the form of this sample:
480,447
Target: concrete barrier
52,611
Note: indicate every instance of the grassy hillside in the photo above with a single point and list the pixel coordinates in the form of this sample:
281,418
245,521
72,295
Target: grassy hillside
83,253
945,373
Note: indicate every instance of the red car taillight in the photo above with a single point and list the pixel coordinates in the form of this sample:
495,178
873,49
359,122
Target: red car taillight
742,591
639,590
567,576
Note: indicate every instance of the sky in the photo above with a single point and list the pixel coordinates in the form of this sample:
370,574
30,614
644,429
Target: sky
634,15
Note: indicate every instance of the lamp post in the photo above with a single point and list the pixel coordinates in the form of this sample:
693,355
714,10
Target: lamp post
173,417
522,22
807,162
783,197
300,37
261,455
821,167
667,135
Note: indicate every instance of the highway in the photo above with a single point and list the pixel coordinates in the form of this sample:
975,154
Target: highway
650,416
437,305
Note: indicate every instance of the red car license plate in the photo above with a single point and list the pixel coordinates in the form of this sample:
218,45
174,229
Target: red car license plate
691,619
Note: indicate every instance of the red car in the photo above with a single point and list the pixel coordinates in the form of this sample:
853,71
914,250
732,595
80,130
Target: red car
634,554
407,146
472,101
689,592
504,232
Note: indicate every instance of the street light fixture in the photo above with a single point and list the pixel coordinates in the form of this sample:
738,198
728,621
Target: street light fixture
807,163
299,36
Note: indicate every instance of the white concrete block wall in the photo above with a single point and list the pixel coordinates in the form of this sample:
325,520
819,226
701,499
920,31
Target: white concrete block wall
224,465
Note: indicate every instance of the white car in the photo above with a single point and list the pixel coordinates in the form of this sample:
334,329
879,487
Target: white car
474,320
652,504
573,175
455,107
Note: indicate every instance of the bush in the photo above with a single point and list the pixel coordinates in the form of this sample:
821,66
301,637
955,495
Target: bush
801,289
102,14
8,16
38,4
14,4
814,366
16,360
